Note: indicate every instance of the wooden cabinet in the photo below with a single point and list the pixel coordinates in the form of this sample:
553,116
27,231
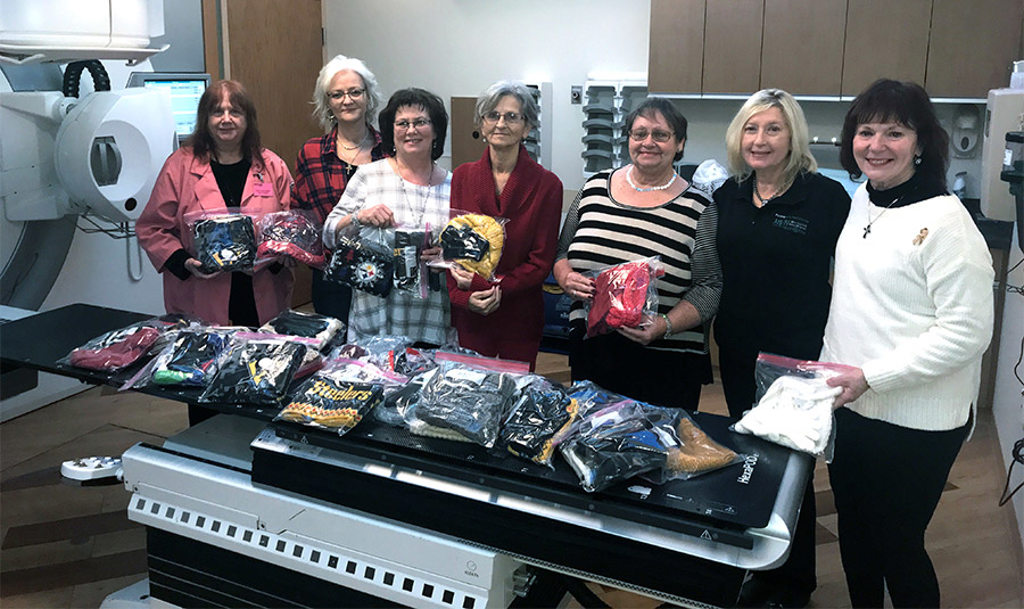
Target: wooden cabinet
676,53
885,38
956,48
732,46
802,50
972,46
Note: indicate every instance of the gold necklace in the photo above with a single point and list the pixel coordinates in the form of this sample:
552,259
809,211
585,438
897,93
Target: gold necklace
358,147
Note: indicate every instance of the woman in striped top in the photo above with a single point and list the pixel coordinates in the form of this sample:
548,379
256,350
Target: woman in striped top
645,209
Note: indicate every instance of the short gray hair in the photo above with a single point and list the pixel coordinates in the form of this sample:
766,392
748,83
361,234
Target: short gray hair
488,100
321,106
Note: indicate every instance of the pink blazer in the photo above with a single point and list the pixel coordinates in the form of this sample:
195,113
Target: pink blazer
186,184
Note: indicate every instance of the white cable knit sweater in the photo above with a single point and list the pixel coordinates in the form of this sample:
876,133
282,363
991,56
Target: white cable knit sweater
912,306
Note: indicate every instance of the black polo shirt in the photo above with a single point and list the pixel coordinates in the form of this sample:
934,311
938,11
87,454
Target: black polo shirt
776,263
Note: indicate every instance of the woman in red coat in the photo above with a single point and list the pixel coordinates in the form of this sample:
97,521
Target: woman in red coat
505,317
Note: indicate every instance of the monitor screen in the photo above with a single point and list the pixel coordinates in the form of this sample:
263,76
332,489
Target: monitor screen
185,90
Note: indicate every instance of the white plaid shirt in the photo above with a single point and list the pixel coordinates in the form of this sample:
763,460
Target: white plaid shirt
400,314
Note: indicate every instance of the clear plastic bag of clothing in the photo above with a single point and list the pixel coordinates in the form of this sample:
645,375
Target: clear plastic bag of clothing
223,241
469,395
411,272
473,241
255,371
189,360
291,233
794,407
618,442
120,348
540,416
625,296
364,262
321,328
695,452
339,395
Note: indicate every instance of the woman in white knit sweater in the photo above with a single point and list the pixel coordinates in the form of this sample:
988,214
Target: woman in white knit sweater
912,310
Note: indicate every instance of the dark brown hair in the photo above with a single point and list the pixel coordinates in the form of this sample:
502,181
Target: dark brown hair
201,139
648,109
908,104
416,98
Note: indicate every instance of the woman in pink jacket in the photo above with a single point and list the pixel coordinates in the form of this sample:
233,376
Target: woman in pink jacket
222,165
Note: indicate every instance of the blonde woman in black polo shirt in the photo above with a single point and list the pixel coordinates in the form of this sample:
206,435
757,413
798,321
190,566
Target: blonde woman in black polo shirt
777,229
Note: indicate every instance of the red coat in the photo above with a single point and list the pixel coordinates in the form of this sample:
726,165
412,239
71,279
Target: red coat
532,203
187,184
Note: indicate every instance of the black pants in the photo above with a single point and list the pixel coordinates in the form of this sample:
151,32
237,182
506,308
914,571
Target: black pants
664,378
887,481
799,573
330,298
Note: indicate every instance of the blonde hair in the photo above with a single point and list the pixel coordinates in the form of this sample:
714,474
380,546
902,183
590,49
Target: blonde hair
800,157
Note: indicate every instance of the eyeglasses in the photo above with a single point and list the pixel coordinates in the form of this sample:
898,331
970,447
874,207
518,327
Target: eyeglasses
511,118
639,135
352,94
416,124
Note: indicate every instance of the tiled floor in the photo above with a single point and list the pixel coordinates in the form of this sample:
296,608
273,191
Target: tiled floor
71,546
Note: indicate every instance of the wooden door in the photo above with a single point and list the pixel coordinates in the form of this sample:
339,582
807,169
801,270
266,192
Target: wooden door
676,54
972,46
275,49
885,39
732,46
467,145
802,48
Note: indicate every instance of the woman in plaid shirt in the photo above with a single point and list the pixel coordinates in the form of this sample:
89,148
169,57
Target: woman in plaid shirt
345,101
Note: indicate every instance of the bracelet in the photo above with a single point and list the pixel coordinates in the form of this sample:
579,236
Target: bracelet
668,325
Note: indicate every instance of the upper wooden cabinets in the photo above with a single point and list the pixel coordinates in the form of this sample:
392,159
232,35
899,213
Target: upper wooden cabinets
972,45
832,47
885,38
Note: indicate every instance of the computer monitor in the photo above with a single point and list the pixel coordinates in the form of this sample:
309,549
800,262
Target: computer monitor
185,89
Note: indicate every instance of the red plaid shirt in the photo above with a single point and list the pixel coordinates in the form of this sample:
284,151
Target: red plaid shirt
320,176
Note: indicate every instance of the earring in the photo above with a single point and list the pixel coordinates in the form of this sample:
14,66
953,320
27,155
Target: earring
917,159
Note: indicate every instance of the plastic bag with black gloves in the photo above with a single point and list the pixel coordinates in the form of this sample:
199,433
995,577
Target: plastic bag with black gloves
472,241
410,271
310,325
469,395
794,407
618,442
540,415
625,296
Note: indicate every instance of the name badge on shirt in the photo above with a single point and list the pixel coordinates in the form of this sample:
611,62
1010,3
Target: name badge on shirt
263,189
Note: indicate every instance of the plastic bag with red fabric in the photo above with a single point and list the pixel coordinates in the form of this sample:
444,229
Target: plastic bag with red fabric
291,233
623,295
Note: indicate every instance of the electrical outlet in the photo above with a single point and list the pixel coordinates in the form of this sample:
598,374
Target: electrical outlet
576,94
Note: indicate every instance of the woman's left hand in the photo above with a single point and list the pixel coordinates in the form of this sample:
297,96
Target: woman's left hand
486,301
646,334
853,384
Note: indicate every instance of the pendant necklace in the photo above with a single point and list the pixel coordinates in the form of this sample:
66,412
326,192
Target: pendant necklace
629,179
421,210
357,148
867,227
762,199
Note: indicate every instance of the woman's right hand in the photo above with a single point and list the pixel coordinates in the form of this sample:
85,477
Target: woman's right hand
376,215
486,301
194,266
578,287
463,278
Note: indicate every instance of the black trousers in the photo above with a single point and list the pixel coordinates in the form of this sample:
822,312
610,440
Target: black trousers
887,482
799,573
330,298
664,378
